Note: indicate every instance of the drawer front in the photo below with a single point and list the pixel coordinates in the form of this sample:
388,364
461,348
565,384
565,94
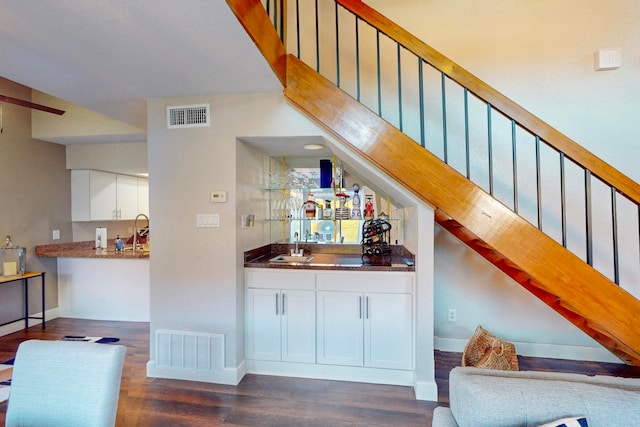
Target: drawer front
374,281
279,279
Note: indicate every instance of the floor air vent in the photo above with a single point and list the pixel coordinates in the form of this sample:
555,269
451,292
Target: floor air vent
188,116
189,350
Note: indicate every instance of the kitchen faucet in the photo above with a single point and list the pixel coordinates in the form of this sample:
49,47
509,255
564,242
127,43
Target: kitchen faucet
135,230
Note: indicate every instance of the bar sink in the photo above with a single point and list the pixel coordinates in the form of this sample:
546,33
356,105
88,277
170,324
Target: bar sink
291,258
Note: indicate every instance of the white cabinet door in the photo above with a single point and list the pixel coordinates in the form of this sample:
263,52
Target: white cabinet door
103,195
388,331
93,195
126,197
281,325
340,328
143,196
298,326
263,324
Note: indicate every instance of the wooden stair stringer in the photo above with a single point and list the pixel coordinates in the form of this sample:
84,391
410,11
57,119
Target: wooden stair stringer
525,280
556,276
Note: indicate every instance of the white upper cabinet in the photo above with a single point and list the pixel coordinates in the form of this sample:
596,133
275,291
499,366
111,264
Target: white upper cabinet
105,196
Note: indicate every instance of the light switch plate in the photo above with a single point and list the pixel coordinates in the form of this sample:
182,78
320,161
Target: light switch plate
207,220
218,196
55,234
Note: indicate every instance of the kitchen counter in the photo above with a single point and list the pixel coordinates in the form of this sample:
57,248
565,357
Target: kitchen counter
87,250
330,257
100,284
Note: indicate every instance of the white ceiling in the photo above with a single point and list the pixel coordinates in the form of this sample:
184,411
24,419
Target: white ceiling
110,56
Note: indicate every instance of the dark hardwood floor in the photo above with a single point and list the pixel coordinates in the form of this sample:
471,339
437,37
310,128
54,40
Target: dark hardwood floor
265,400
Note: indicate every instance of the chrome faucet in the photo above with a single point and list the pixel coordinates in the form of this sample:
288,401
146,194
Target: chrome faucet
295,238
135,230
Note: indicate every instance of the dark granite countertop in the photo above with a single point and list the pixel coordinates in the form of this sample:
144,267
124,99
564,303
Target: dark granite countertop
331,257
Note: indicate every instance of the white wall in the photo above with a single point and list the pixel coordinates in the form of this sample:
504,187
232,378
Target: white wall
540,54
128,159
197,273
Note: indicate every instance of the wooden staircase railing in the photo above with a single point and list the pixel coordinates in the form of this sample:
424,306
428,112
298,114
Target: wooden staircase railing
556,276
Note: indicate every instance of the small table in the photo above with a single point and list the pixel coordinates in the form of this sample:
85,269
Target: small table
25,283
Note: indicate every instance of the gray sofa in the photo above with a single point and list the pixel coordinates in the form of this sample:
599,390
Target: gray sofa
483,397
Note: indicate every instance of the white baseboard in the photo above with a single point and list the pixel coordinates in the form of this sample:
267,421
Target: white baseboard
18,325
554,351
331,372
228,376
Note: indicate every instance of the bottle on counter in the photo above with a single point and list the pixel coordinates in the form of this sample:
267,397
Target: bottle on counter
119,243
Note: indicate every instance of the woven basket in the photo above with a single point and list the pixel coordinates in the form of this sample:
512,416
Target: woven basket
485,350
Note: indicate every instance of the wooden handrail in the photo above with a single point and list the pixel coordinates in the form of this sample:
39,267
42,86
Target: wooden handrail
498,101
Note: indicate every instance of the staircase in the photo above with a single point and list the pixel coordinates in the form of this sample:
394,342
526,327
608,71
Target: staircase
562,280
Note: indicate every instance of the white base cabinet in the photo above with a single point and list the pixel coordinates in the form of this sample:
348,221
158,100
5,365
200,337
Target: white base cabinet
347,325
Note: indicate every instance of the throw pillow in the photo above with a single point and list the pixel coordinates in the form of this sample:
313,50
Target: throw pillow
568,422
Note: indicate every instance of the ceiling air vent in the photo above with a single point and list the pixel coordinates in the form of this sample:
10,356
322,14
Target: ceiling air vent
188,116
